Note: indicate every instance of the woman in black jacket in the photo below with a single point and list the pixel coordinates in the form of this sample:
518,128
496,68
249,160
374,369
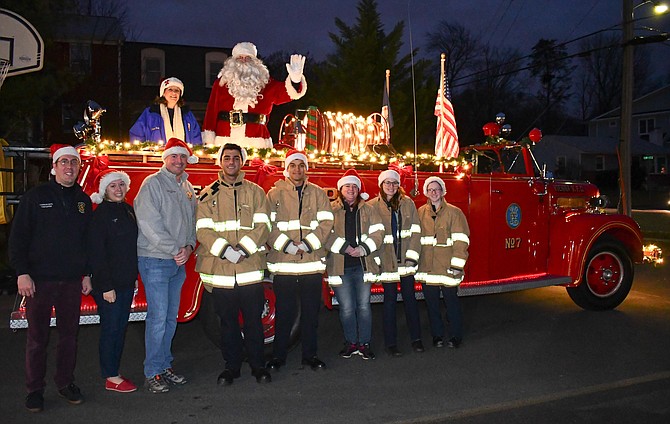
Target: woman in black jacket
112,244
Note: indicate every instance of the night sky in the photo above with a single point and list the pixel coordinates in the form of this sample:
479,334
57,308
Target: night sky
303,26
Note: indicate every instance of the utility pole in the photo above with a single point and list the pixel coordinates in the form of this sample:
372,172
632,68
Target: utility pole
626,111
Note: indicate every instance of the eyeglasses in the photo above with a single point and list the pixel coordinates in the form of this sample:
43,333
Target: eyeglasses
433,190
391,183
66,162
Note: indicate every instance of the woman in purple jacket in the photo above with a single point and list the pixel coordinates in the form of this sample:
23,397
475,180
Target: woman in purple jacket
168,117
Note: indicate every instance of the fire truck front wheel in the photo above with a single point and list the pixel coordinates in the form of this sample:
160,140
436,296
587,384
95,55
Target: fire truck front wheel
607,277
212,325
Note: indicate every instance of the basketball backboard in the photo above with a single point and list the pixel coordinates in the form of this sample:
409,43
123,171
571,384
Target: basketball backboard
20,44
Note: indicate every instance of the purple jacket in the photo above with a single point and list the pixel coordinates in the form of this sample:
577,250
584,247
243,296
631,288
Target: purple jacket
149,126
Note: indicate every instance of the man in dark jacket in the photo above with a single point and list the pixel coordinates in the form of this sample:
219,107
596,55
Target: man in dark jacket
48,217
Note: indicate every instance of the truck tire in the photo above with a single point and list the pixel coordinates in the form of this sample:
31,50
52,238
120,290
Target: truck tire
607,277
212,325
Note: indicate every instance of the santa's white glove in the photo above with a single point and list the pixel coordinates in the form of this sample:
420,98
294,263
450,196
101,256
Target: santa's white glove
295,67
292,249
232,255
302,246
358,252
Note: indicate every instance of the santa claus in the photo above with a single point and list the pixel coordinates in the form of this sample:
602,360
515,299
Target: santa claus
243,96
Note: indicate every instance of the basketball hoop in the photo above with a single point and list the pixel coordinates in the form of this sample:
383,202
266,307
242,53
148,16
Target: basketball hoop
4,67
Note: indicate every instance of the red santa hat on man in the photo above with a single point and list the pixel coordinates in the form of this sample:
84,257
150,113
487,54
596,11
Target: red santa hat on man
293,155
245,49
170,82
58,150
104,179
175,146
351,177
438,180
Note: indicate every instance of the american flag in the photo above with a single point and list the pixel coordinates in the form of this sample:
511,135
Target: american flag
446,138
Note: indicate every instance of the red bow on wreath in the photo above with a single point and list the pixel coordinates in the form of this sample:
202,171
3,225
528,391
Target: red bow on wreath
263,169
405,171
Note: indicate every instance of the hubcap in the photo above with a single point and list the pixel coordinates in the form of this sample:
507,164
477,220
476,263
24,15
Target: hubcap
604,274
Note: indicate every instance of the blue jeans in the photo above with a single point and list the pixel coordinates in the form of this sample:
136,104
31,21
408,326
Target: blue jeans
113,324
454,315
162,280
355,311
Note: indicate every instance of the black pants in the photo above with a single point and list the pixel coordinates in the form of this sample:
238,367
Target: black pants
229,303
288,289
411,310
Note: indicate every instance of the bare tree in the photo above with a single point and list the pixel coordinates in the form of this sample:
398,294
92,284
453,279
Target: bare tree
461,48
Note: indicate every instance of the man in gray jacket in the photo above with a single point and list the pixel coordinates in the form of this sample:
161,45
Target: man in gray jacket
165,210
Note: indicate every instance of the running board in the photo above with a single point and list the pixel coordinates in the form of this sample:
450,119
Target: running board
503,286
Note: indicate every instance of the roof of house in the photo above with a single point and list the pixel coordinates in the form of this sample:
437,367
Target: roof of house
649,103
605,145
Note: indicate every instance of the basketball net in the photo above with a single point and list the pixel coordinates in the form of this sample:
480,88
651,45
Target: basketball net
4,67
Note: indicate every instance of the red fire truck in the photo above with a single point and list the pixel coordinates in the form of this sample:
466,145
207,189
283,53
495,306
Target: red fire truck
527,230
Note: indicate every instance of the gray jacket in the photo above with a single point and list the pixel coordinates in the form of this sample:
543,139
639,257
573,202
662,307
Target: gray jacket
165,213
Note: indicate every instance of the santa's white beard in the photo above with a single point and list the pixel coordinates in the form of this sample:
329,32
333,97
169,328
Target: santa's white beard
245,80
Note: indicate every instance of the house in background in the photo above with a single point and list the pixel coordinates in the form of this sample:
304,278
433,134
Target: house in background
594,158
650,122
144,65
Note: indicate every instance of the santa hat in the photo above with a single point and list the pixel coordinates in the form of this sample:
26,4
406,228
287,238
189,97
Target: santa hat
175,146
170,82
220,154
245,49
429,180
58,150
389,174
104,179
351,177
291,156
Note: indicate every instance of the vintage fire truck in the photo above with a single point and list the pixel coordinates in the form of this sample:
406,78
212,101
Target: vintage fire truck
527,230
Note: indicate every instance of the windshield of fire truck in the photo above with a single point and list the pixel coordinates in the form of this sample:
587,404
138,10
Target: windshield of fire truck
509,160
513,160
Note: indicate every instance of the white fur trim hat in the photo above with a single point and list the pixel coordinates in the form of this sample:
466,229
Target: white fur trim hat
389,174
438,180
175,146
245,49
104,179
293,155
170,82
220,154
58,150
351,177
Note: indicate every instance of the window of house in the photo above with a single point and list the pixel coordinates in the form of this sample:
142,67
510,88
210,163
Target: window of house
646,126
213,64
153,66
600,163
80,58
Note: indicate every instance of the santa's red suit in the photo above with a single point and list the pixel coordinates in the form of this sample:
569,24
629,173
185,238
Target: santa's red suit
249,134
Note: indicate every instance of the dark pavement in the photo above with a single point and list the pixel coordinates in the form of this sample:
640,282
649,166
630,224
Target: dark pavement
530,356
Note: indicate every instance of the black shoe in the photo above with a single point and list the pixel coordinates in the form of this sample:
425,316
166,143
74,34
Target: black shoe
417,346
72,394
274,364
365,351
314,363
438,342
227,376
393,351
262,375
454,342
348,350
35,401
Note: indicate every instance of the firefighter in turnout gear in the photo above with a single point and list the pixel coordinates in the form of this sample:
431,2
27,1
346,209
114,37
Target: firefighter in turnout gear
301,222
445,238
232,226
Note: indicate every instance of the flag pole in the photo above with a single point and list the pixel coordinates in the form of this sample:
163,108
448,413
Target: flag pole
443,58
388,94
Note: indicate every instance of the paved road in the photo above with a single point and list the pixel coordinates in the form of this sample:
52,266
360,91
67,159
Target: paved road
530,356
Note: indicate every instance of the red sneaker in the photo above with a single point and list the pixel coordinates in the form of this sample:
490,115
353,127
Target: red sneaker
126,386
